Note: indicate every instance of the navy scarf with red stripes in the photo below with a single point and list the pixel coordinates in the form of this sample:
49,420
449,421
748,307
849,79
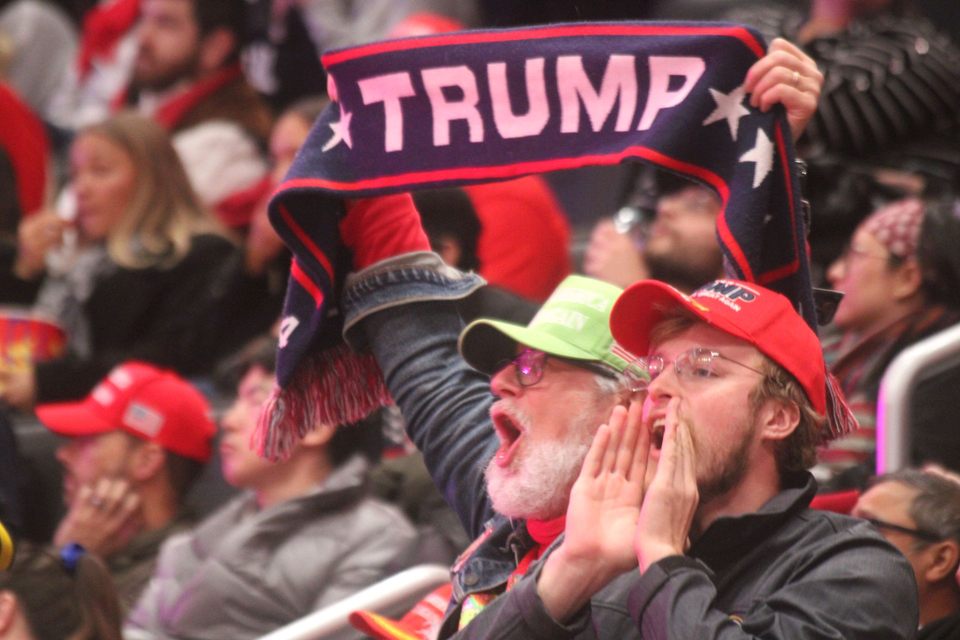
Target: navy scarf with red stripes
481,106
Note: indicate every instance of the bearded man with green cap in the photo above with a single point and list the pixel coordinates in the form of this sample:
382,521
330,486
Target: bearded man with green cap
555,381
504,461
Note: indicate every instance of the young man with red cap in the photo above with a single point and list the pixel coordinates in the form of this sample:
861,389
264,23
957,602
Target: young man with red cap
133,448
702,495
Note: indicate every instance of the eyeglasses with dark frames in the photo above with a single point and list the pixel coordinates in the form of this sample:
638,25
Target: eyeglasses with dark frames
922,534
697,363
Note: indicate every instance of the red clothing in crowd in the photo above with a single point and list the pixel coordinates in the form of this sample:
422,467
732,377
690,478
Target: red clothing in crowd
24,140
525,239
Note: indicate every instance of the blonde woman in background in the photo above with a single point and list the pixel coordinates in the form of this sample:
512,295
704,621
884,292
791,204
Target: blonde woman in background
141,272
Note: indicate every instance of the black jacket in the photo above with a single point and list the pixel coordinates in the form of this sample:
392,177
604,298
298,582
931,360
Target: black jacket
786,571
183,317
943,629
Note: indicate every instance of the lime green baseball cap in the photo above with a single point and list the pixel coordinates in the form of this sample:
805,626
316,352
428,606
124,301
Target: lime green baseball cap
573,323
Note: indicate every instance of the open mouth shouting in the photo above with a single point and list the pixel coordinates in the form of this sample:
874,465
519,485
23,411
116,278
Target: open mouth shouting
510,428
656,432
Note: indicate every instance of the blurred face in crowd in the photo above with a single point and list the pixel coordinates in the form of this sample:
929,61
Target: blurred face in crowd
545,430
889,502
87,459
681,247
104,179
241,466
863,273
169,44
288,135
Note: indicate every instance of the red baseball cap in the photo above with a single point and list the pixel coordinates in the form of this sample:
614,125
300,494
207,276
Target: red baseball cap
745,310
150,403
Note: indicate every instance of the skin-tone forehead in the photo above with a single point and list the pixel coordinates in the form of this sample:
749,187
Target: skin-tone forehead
887,501
695,191
180,4
255,376
182,10
289,133
92,143
118,435
866,241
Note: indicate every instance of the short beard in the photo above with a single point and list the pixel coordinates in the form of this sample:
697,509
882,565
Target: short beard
540,488
683,275
732,469
185,70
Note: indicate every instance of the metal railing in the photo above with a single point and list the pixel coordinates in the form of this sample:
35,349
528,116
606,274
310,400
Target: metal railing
896,394
403,589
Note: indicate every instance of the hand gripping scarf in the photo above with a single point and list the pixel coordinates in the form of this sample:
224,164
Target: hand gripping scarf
483,106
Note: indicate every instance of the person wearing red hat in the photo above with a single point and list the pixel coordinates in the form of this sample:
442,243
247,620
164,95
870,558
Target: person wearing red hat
504,448
133,448
302,534
701,493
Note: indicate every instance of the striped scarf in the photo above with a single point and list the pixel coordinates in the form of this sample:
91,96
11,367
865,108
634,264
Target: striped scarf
482,106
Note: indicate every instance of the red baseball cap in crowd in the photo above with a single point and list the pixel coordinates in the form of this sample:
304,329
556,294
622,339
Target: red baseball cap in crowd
150,403
745,310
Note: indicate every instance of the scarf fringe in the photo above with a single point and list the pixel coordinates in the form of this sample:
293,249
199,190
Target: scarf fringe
840,418
336,386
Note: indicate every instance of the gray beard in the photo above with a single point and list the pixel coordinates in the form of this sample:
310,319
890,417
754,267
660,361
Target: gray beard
540,487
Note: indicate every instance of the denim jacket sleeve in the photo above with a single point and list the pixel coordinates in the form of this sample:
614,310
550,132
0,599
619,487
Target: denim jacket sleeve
403,310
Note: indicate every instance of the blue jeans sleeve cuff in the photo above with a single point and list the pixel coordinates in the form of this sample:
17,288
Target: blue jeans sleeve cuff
411,277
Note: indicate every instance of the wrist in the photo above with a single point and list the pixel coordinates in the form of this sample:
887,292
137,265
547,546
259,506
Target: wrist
649,554
567,582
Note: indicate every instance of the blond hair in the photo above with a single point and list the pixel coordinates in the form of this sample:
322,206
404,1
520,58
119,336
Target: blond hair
164,213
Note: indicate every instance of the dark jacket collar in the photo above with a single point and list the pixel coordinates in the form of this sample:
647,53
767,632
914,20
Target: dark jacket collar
737,532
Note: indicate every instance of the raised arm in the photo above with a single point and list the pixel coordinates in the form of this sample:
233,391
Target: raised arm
400,304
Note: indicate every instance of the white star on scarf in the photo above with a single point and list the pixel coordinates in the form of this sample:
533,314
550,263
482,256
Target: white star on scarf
341,132
729,107
762,155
